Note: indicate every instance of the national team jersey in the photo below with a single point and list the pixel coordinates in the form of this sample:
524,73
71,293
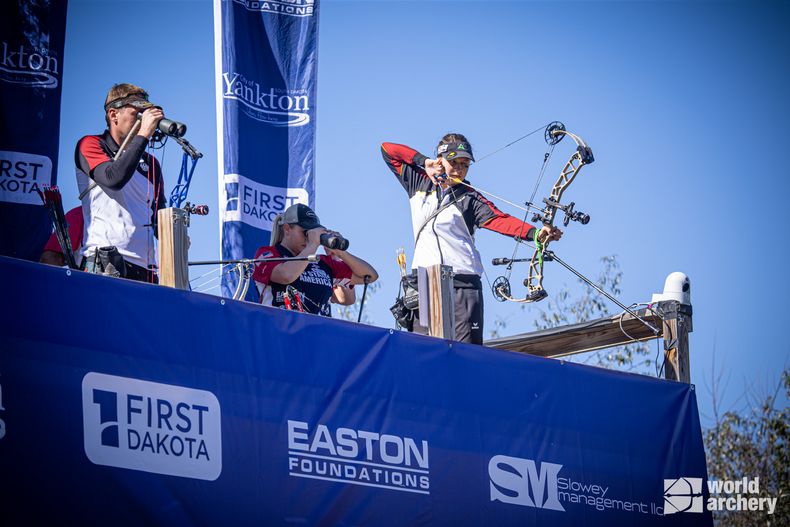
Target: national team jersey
448,237
314,285
121,209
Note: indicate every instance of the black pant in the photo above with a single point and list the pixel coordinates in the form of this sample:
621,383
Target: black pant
133,272
468,313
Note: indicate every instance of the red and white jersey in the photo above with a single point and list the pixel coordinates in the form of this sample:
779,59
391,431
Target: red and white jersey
448,237
121,209
314,285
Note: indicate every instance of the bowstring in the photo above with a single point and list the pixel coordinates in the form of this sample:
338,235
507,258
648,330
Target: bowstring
546,157
513,142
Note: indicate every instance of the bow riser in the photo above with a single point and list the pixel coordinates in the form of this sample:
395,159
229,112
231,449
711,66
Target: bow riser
582,156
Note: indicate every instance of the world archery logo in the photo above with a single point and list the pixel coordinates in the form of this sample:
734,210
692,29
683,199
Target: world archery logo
28,67
683,495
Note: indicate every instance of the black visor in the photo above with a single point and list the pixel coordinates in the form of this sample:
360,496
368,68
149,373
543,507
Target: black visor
455,151
138,100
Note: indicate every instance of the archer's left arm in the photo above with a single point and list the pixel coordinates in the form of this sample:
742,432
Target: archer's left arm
489,217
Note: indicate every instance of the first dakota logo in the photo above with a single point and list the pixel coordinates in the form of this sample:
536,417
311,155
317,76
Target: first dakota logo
20,65
152,427
275,107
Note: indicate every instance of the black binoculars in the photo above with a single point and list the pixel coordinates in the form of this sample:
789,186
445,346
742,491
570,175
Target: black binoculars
334,241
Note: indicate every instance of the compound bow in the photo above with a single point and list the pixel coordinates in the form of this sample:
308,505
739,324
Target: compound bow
583,155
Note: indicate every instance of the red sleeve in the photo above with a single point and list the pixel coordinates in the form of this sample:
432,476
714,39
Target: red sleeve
75,221
340,269
91,150
491,218
92,159
510,226
408,165
396,155
263,271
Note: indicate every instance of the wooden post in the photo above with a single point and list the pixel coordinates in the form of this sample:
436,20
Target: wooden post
441,301
173,271
676,328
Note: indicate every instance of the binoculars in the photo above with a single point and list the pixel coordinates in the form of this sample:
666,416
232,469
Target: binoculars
334,241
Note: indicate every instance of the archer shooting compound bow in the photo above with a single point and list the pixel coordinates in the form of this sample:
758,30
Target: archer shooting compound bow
583,155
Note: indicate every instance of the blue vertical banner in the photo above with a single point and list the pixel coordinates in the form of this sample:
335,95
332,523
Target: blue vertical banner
32,36
266,65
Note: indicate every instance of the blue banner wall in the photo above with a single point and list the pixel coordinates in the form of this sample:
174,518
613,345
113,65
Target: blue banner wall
266,55
147,405
32,35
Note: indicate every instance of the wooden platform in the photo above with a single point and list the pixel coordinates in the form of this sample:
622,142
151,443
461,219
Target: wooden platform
596,334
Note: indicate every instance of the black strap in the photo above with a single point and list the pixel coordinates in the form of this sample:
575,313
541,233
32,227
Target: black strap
364,291
436,213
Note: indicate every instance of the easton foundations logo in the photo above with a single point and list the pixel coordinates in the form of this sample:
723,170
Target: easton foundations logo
358,457
151,427
28,67
277,107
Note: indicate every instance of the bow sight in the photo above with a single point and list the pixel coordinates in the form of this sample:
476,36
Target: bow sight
570,214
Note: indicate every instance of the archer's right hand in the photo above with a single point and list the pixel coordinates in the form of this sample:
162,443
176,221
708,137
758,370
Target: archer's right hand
434,170
150,120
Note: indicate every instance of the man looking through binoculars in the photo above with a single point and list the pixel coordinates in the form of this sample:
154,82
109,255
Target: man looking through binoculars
121,192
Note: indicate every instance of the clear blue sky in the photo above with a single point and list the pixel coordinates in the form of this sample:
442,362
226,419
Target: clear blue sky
683,103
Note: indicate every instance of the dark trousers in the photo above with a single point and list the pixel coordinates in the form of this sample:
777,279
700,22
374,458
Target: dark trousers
133,272
468,316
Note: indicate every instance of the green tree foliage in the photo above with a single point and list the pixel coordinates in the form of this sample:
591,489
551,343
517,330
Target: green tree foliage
753,444
564,308
352,312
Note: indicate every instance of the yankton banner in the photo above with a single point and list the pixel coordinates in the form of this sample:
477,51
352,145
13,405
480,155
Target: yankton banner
31,66
230,413
266,55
